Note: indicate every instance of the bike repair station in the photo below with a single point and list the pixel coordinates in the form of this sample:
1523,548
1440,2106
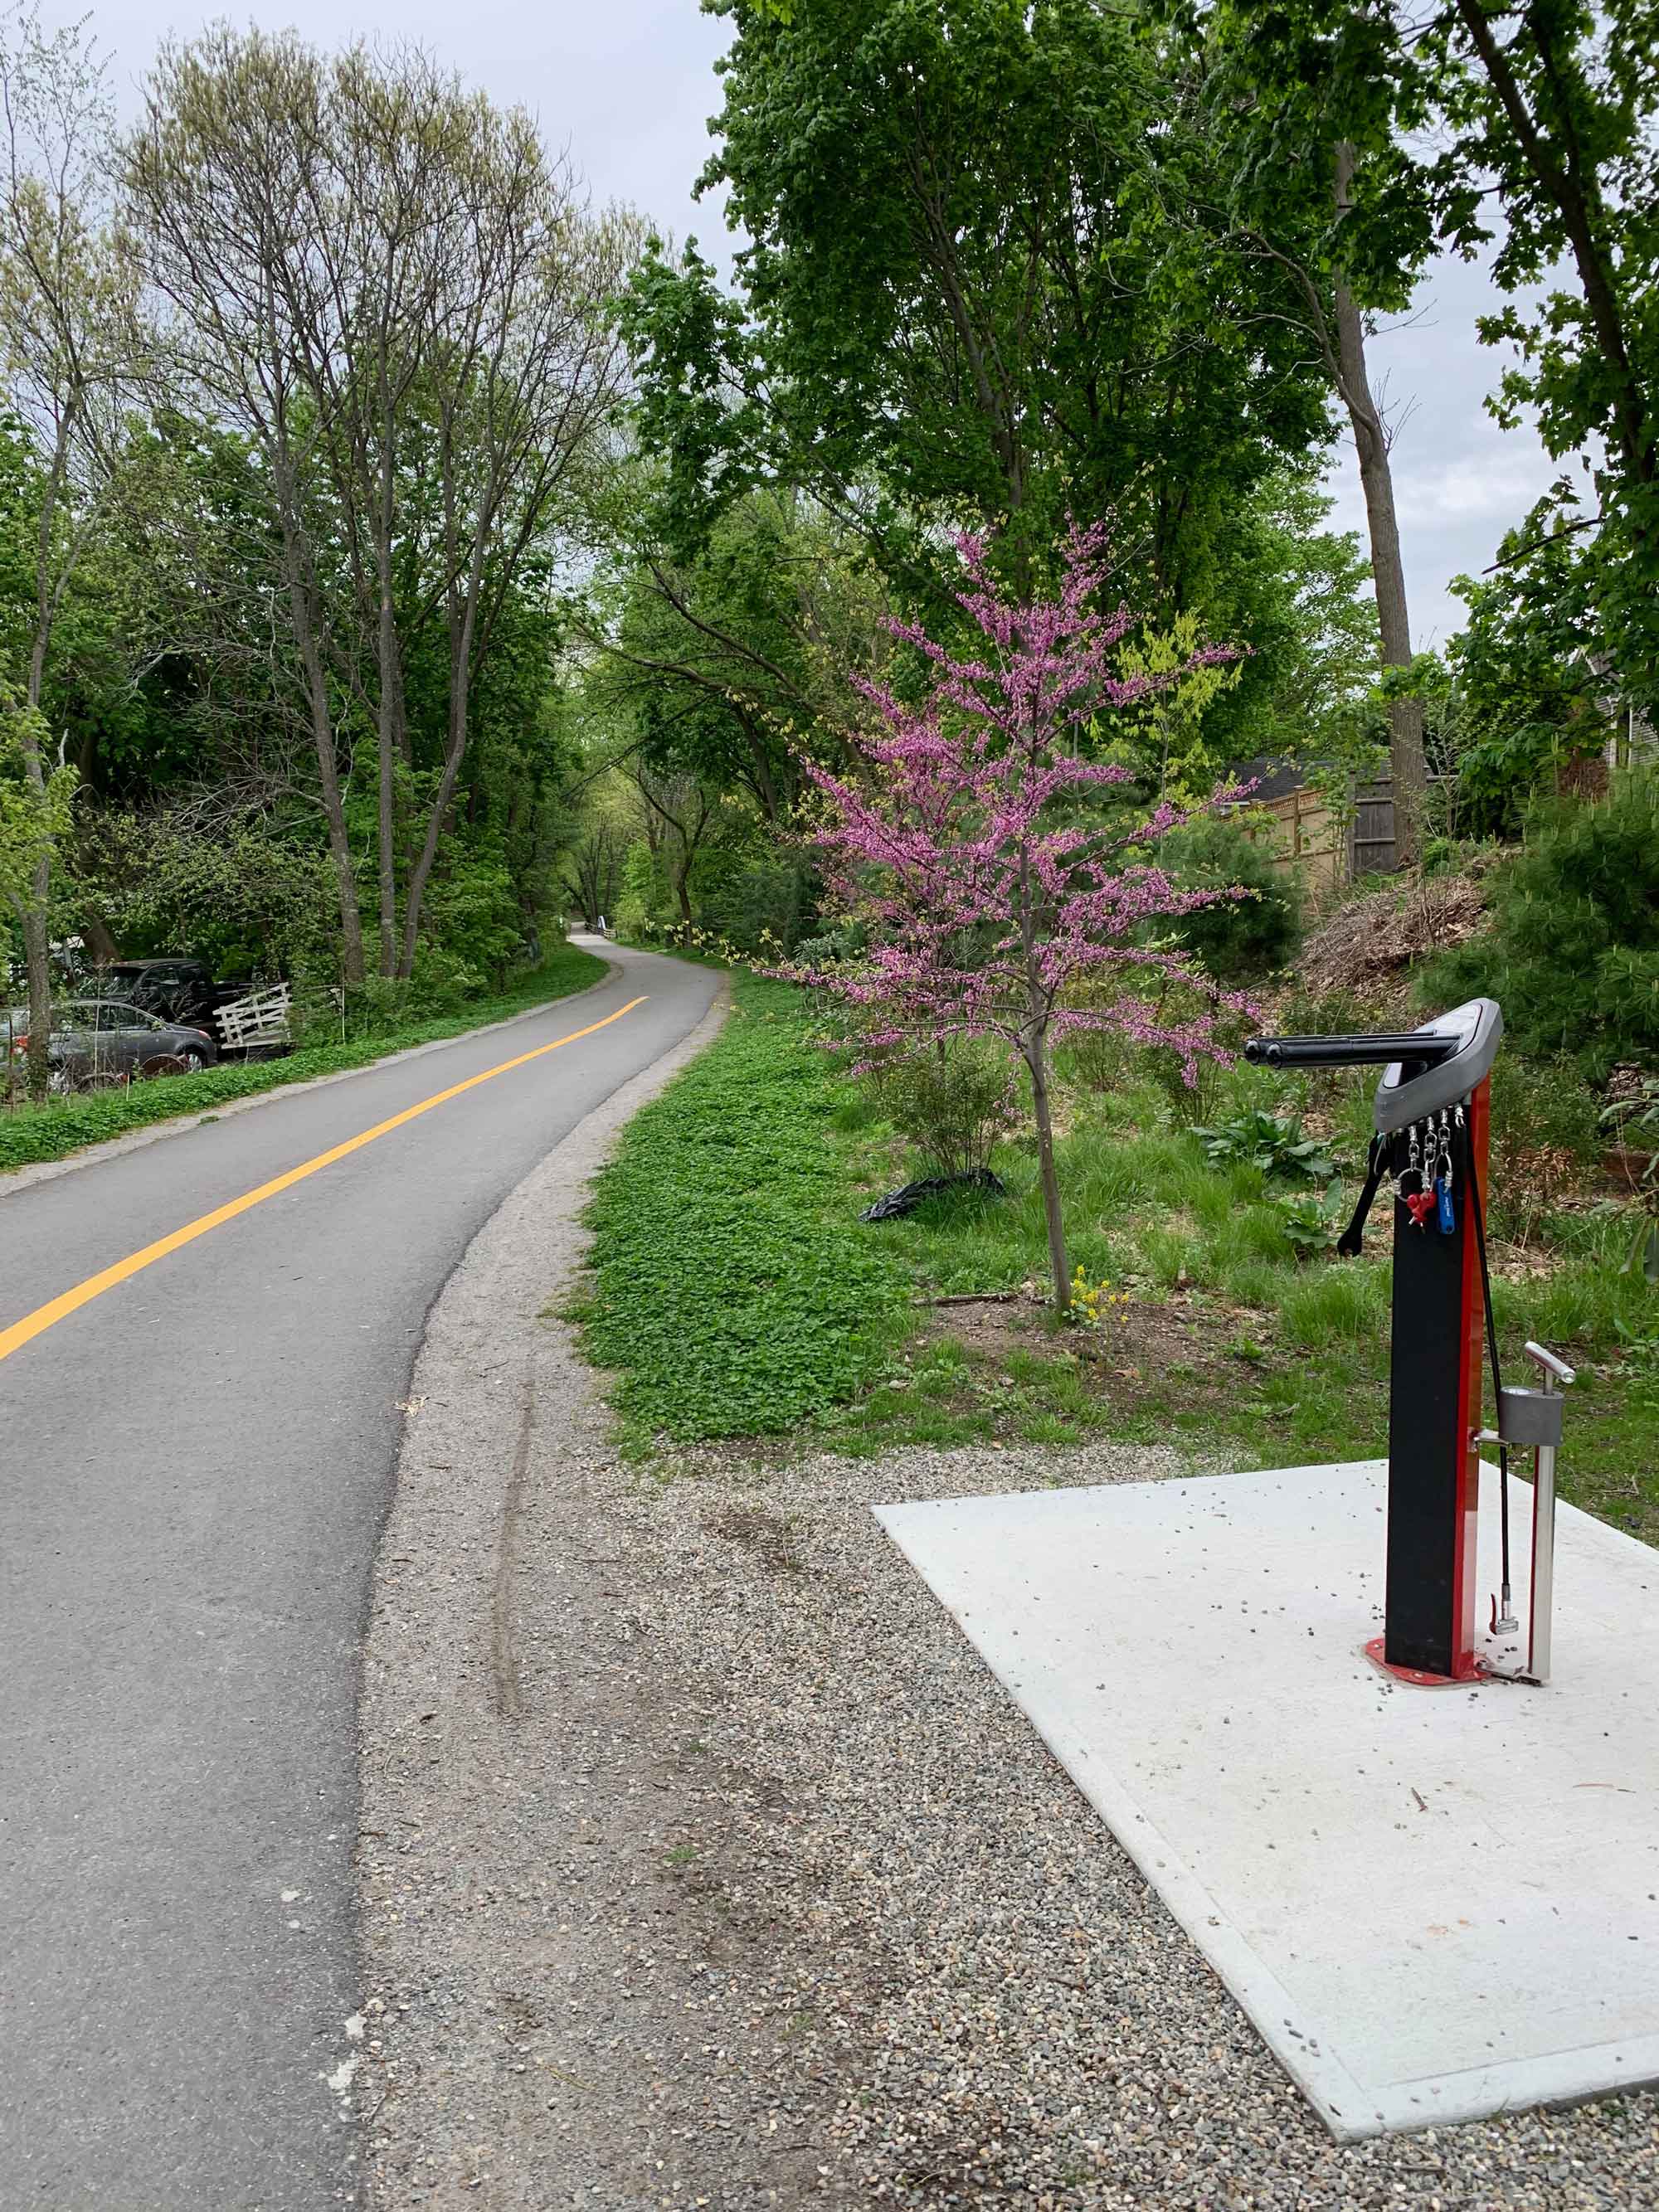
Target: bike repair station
1415,1833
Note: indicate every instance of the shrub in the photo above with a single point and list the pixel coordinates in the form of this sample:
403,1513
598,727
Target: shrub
845,940
746,895
1572,954
1188,1101
1238,940
1545,1138
1104,1060
1097,1059
952,1102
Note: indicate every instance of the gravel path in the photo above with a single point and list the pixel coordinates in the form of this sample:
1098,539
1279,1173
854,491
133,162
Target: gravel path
703,1863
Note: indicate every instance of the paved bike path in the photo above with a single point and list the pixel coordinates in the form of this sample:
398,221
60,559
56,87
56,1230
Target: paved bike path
194,1469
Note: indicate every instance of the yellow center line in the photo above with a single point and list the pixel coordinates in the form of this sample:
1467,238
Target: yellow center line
44,1318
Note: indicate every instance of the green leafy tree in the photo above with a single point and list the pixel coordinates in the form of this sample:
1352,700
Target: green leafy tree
966,298
1549,109
1300,598
1296,598
394,294
70,347
1525,690
731,665
36,807
1310,133
1520,693
1528,123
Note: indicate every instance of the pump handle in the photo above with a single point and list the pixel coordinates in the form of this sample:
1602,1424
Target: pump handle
1551,1365
1422,1046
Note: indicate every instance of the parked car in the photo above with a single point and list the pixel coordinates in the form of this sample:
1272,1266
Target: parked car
248,1021
97,1042
174,990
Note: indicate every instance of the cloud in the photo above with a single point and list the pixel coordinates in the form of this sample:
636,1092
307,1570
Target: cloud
1460,482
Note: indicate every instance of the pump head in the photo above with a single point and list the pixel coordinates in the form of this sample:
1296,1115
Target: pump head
1409,1091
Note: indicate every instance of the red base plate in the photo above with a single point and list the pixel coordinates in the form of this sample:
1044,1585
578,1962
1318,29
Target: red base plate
1417,1676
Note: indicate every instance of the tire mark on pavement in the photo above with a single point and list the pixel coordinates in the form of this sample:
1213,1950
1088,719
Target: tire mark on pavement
505,1660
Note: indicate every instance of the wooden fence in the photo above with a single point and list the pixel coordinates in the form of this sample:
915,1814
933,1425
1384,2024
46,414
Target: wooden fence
1305,838
1309,837
1370,833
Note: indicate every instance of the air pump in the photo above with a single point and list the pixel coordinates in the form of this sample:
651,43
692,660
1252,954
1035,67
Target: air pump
1432,1115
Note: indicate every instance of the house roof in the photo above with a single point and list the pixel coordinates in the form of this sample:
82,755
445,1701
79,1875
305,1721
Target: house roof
1274,777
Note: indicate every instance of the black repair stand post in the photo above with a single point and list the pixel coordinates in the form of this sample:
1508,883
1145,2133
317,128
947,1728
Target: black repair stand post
1434,1415
1433,1092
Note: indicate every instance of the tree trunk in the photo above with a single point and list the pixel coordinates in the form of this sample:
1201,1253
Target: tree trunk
462,630
328,776
387,747
415,893
1406,758
101,942
296,574
1577,201
35,954
1035,1045
36,926
1037,1058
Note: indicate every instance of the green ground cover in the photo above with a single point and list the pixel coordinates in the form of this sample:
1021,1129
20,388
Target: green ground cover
738,1296
733,1289
62,1126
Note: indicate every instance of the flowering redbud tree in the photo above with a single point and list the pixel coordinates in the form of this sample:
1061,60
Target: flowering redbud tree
1000,903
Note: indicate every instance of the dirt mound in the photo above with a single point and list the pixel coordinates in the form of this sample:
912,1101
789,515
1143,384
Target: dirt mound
1368,946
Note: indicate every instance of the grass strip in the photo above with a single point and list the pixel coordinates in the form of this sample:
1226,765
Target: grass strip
738,1295
1231,1346
30,1134
733,1290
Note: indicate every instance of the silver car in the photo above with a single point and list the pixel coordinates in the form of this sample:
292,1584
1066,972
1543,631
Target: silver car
98,1042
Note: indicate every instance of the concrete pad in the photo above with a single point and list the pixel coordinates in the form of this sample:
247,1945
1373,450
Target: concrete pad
1434,1904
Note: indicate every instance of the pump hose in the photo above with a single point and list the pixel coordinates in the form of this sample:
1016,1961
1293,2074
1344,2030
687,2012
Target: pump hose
1492,1342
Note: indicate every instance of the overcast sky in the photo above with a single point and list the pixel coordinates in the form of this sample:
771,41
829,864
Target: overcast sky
627,86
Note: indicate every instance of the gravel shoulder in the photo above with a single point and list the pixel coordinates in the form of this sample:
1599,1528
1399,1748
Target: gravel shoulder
702,1863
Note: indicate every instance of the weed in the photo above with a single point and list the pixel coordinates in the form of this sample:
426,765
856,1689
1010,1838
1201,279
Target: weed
1633,1113
1343,1304
1313,1220
1095,1305
1641,1362
1272,1142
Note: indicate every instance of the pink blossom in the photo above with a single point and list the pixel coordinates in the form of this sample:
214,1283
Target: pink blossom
987,907
990,904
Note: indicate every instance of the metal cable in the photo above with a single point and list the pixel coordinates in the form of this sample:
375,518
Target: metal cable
1492,1343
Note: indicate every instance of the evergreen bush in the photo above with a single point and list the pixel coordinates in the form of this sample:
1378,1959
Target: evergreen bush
1239,941
1573,953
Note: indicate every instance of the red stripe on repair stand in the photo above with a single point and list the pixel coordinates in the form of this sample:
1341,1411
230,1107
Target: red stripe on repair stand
1471,1346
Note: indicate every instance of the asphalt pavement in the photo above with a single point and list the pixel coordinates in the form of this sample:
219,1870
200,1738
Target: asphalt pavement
195,1467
